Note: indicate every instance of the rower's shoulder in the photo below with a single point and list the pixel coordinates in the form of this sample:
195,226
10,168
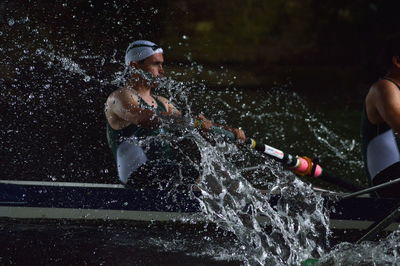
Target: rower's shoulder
382,90
123,94
382,104
161,98
384,86
164,100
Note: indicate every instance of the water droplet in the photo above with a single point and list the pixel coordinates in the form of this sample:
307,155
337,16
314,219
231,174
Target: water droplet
185,37
11,22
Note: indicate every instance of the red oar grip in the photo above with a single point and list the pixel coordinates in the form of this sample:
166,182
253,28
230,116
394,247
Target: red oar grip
306,167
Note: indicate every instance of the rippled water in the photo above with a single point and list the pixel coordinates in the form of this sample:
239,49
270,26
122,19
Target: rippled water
56,97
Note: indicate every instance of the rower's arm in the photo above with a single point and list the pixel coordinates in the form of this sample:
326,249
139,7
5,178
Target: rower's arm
386,99
125,106
171,109
207,125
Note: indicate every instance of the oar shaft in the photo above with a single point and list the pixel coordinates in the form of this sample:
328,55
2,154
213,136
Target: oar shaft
301,165
253,168
278,155
297,163
341,182
380,225
372,189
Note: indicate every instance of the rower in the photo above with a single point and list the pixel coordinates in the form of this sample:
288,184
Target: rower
381,123
134,114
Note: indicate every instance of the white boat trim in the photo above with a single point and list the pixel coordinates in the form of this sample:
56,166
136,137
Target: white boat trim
96,214
61,184
357,225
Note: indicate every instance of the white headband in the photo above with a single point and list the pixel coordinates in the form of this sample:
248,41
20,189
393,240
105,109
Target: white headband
139,50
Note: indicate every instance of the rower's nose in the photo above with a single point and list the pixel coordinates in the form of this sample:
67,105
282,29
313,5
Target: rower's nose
161,70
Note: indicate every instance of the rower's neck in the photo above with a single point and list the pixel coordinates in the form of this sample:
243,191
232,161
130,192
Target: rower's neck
144,92
394,77
394,74
140,88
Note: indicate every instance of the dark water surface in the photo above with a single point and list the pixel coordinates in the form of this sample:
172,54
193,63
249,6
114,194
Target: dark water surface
33,243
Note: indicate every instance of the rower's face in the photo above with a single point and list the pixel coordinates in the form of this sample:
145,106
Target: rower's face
154,65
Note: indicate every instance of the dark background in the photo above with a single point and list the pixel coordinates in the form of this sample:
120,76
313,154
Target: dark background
58,58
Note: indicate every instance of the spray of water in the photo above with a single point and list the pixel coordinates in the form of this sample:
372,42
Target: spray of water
384,252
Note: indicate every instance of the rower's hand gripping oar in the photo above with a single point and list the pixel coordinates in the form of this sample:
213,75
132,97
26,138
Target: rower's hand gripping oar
300,165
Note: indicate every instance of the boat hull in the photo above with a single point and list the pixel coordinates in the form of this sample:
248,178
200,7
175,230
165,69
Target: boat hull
111,202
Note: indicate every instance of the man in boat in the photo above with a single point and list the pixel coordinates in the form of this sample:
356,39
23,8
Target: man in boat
134,119
381,123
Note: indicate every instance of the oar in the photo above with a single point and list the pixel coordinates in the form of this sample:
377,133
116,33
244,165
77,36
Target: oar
253,168
302,166
381,225
372,189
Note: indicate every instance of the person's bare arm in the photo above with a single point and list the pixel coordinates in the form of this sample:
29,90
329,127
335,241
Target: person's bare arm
171,109
125,106
207,124
386,99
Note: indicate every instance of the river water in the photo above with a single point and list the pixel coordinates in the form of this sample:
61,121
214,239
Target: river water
53,130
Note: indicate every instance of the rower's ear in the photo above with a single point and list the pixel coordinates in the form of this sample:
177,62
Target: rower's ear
134,64
396,61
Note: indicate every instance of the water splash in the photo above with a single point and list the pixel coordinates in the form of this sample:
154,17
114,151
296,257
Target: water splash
384,252
280,235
